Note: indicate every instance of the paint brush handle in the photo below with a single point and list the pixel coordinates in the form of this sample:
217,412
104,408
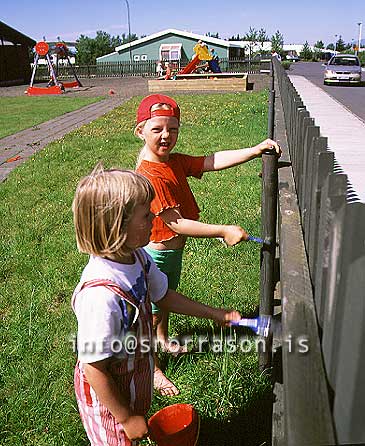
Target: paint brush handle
260,325
251,238
251,323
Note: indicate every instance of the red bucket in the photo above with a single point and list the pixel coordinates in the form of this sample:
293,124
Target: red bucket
176,425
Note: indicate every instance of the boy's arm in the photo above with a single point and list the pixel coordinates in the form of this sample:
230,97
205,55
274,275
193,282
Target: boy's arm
229,158
102,382
230,233
178,303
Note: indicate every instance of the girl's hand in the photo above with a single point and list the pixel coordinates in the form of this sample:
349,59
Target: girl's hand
234,234
135,427
225,317
268,144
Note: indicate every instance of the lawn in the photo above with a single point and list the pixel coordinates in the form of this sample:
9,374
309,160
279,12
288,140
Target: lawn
40,267
21,113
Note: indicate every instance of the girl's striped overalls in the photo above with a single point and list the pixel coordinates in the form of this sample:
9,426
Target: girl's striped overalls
132,374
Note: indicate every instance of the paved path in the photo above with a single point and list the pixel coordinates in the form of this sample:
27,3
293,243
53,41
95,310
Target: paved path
344,130
25,143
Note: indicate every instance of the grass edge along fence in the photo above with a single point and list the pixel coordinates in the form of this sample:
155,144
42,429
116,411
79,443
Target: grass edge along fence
143,68
322,281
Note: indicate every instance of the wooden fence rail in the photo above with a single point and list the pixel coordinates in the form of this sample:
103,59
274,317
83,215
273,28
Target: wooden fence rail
322,282
142,68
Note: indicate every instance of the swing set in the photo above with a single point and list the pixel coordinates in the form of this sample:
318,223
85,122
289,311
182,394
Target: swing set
43,50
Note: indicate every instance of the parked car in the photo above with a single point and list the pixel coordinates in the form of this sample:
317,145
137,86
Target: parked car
292,57
343,68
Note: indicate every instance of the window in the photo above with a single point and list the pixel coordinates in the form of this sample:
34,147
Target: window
144,57
171,51
136,58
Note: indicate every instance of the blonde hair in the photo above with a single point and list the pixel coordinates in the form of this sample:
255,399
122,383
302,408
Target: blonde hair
103,206
140,126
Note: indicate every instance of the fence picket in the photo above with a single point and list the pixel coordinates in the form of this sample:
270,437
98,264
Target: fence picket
349,403
312,131
333,197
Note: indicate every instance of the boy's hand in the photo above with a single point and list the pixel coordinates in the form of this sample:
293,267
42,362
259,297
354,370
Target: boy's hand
234,234
268,144
135,427
225,317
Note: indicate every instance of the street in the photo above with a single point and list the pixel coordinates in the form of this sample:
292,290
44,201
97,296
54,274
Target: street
352,97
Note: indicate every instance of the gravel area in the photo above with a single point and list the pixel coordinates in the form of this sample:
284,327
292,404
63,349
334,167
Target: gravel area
125,87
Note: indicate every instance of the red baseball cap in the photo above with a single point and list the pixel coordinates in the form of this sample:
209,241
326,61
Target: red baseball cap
144,109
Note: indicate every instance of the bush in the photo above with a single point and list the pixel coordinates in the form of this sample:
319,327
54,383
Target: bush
362,58
286,64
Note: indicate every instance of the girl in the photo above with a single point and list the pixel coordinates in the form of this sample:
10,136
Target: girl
174,206
112,302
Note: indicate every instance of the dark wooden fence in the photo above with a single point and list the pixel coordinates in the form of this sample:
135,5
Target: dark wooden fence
321,232
143,68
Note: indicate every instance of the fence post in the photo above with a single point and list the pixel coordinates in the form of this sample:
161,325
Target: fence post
268,216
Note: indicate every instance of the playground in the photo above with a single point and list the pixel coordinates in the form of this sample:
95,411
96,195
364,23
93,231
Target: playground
202,73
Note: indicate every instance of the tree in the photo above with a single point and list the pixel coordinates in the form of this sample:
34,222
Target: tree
318,49
126,38
262,37
319,44
306,53
235,38
252,37
88,49
277,42
330,46
340,44
215,35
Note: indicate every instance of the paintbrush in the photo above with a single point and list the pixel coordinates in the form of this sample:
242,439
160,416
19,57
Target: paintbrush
260,325
250,238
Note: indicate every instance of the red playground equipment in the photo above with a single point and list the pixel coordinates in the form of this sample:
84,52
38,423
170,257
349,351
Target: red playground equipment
201,53
42,49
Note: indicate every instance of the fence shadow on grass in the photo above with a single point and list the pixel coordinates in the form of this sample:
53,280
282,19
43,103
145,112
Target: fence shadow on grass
252,427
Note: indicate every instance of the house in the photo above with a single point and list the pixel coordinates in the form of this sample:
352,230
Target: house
14,56
172,44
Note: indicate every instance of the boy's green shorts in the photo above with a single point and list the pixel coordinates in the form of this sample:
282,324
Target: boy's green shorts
169,262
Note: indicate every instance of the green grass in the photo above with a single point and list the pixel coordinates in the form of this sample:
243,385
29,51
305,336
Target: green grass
21,113
40,266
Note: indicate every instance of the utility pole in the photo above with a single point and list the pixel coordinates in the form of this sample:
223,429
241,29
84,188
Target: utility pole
359,40
129,30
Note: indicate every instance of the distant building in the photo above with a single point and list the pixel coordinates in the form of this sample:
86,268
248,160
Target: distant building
14,56
172,44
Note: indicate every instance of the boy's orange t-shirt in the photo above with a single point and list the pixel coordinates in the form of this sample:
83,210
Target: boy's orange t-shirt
172,190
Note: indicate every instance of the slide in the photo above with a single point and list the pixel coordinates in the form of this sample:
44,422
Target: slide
190,67
201,53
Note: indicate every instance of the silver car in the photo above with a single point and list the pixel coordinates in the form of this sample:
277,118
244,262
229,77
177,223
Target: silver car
343,68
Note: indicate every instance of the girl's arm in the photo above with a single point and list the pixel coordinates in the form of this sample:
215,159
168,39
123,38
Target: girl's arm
230,233
229,158
108,394
178,303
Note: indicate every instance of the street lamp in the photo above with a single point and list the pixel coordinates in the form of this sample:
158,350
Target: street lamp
129,30
335,43
359,41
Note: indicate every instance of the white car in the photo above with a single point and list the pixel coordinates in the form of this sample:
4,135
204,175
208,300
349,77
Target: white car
343,68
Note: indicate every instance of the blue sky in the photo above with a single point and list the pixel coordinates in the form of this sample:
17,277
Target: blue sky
309,20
